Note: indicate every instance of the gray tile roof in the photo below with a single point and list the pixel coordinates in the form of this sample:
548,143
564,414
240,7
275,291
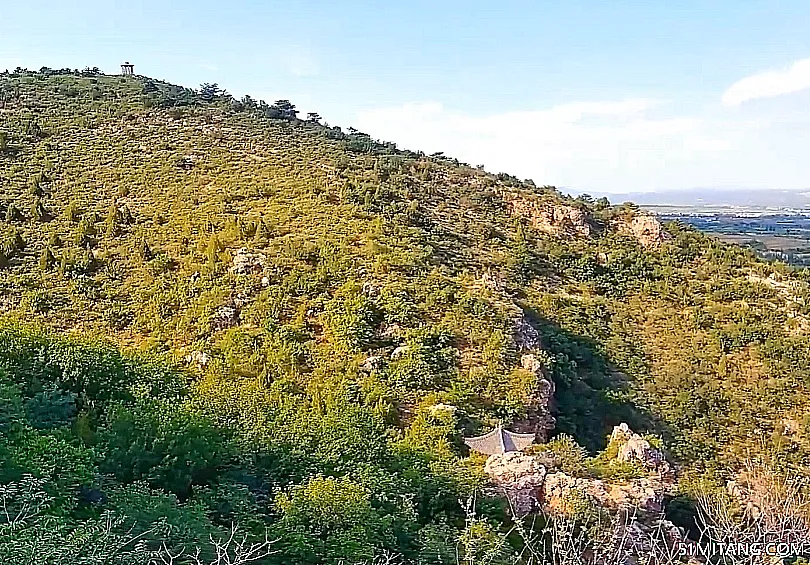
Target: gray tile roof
499,440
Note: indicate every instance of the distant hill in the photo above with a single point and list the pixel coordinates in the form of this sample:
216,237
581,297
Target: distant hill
719,197
216,312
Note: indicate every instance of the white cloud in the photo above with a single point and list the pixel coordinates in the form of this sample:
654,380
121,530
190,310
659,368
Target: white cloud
603,145
769,84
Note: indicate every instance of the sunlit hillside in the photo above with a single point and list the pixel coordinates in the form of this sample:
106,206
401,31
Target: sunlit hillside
215,313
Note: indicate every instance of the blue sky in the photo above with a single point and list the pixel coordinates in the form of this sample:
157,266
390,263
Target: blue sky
589,95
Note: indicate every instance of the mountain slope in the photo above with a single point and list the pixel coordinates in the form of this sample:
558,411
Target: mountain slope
318,293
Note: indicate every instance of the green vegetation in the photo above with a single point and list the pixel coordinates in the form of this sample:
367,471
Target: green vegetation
151,391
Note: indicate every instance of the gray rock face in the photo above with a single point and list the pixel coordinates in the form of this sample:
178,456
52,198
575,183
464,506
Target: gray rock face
643,494
246,262
528,485
372,363
634,448
198,358
225,317
526,337
519,478
400,351
551,218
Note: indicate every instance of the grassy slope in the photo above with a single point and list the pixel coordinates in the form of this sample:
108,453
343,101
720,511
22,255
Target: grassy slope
677,340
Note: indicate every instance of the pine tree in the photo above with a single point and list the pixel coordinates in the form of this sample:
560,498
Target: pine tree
262,234
212,252
85,233
145,252
72,212
35,186
111,223
38,211
46,259
13,213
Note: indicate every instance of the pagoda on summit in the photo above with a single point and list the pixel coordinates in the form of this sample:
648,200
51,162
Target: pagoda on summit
499,440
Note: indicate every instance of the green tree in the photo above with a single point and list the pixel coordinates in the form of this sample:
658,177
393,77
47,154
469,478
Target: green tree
38,211
13,214
329,520
212,252
73,212
46,260
111,224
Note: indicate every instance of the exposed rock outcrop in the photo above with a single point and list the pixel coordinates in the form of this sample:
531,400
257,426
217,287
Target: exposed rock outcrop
519,478
400,351
560,489
551,218
246,262
198,358
645,228
539,419
531,483
634,448
372,363
225,317
539,407
527,337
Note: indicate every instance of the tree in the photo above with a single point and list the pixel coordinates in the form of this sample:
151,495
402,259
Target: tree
35,186
86,232
210,92
13,214
38,211
262,234
284,109
73,212
144,251
113,219
314,117
212,252
47,259
248,103
34,129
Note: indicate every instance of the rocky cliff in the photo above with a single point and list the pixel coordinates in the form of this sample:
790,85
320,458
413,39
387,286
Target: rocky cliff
537,483
644,228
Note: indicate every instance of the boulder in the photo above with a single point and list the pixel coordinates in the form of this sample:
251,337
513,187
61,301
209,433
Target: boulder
400,351
225,317
634,448
198,358
526,336
517,477
371,363
246,262
559,489
525,481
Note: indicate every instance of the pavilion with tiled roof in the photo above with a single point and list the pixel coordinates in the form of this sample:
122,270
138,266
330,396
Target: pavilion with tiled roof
499,440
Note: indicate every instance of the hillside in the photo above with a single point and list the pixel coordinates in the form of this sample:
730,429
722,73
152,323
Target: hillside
214,312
